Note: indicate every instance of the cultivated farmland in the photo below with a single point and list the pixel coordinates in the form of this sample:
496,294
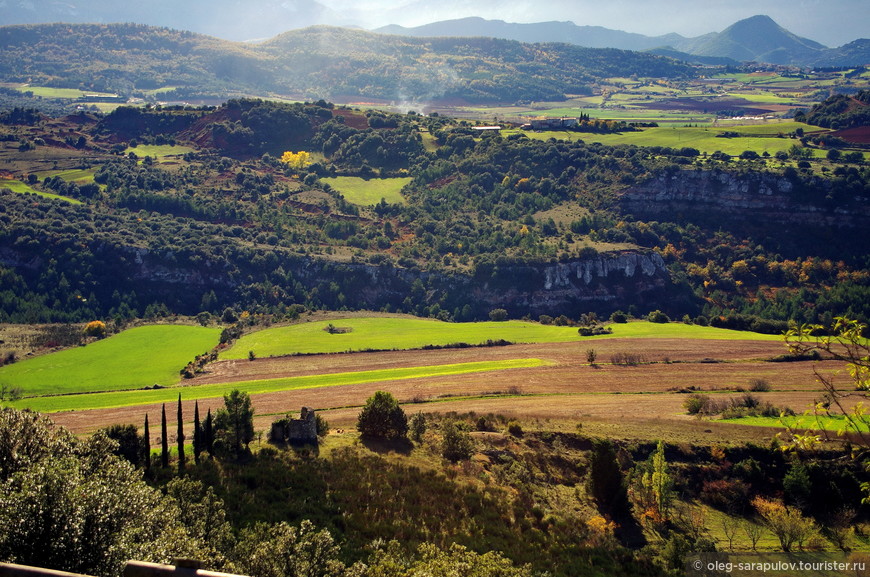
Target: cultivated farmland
548,379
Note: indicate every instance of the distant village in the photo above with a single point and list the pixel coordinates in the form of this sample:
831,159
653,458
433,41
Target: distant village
583,123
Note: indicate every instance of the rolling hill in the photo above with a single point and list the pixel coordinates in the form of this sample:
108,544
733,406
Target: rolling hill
313,63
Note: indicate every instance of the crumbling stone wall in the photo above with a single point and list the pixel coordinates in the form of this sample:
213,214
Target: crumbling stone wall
297,431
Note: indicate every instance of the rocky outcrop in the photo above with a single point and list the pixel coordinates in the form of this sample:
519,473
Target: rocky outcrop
601,283
763,197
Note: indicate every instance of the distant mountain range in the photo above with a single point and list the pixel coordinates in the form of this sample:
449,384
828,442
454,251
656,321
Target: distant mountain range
244,19
757,39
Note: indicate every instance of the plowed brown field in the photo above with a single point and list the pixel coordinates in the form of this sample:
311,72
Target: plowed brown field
642,401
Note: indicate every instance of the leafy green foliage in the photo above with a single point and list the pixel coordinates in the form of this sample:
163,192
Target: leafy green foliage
234,424
391,561
130,444
382,417
251,236
280,549
73,505
841,111
456,443
417,426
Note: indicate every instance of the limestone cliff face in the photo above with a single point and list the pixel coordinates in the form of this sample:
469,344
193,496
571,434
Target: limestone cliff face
600,283
760,196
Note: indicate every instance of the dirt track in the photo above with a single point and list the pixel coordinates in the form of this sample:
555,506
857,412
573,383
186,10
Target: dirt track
636,400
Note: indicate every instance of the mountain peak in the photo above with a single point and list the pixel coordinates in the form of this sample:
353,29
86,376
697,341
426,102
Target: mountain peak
757,38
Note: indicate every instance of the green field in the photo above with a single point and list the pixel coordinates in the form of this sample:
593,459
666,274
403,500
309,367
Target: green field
831,423
77,175
116,371
368,192
702,138
143,397
159,151
388,333
135,358
49,92
24,188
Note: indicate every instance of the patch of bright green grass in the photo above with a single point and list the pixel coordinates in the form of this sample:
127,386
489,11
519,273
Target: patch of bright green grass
159,151
387,333
24,188
701,138
832,423
135,358
77,175
644,329
145,397
368,192
48,92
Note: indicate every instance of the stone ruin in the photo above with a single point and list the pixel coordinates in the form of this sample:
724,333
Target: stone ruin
299,431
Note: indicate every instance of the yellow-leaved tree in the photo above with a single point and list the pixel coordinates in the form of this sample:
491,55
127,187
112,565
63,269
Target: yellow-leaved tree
296,160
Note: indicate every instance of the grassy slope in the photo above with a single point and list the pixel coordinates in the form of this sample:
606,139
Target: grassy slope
135,358
23,188
387,333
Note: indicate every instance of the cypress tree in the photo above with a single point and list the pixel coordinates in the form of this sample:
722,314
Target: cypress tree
164,454
197,433
208,434
147,445
180,436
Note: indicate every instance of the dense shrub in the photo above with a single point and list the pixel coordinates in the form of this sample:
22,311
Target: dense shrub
456,443
658,316
382,417
498,315
696,404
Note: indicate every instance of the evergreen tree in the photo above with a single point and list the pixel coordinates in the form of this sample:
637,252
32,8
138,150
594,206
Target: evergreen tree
164,454
180,436
457,444
208,434
197,433
146,441
234,424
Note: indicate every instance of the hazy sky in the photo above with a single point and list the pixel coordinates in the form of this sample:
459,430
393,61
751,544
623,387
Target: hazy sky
831,22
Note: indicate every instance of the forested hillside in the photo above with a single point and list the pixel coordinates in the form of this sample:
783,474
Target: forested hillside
534,227
317,62
841,111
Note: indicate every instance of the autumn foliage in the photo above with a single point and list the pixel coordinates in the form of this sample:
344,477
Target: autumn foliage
95,329
296,160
